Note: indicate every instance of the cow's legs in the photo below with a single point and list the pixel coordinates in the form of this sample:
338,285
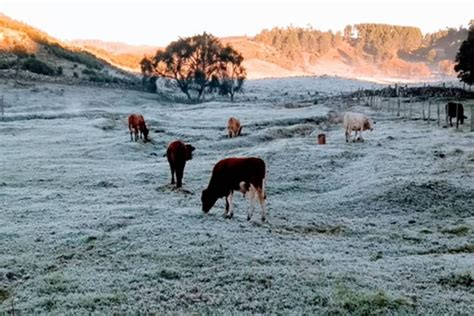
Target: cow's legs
179,176
136,134
252,200
229,213
348,135
172,174
261,199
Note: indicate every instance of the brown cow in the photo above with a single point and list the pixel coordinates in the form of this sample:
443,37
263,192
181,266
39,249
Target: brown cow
236,174
137,125
234,128
456,110
178,153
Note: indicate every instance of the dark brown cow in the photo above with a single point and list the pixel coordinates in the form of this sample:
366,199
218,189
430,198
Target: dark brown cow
178,153
137,125
236,174
456,110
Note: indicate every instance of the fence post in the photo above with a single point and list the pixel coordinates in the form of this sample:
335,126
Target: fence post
472,119
438,112
423,108
410,106
398,105
429,111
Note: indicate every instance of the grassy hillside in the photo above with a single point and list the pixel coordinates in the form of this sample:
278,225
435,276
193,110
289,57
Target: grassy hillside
362,50
25,50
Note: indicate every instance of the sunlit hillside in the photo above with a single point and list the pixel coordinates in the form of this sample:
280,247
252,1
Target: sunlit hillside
25,50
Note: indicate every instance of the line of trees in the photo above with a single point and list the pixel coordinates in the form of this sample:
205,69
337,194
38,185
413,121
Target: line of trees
378,41
197,65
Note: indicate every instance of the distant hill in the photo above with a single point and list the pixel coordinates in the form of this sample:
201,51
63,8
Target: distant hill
25,49
119,54
362,50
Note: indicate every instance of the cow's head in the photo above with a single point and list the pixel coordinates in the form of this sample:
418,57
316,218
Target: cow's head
208,200
145,132
189,151
369,124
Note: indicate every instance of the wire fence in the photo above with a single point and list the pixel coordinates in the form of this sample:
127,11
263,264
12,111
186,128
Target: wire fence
427,104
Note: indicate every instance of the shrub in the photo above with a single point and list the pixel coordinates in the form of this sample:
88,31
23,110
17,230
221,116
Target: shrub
39,67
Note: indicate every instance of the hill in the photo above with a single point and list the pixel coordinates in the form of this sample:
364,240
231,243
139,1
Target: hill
28,52
362,50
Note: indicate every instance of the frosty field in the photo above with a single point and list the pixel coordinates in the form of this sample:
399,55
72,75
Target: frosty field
89,222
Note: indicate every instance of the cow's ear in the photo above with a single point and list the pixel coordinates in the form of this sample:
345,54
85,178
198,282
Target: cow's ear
190,147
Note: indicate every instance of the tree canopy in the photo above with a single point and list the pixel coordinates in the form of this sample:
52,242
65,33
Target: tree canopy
465,59
196,64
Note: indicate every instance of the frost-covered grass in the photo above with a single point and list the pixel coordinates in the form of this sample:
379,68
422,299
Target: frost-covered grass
89,221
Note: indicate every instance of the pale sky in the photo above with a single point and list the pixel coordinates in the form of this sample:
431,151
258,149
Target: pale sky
159,22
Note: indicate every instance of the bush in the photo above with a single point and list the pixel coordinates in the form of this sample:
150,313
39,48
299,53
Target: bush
39,67
6,64
59,71
89,72
82,57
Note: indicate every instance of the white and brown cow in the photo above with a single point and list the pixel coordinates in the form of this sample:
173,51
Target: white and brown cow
246,175
356,122
233,127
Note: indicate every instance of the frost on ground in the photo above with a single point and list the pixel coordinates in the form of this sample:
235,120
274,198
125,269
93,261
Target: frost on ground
89,221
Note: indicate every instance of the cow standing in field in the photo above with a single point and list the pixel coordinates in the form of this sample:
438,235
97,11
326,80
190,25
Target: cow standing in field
137,126
236,174
178,153
356,122
456,110
234,128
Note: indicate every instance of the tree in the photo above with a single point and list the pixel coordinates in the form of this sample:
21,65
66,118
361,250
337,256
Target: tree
232,72
465,59
191,62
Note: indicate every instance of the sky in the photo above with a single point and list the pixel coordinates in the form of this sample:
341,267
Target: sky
148,22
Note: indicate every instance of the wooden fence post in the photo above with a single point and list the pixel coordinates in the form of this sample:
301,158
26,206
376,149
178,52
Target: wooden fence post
423,109
472,118
398,106
429,111
410,106
438,113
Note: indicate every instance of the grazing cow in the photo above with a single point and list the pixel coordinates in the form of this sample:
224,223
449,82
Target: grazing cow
234,127
456,110
236,174
137,125
356,122
178,153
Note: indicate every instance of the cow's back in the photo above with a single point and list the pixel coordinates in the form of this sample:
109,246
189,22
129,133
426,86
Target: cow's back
136,120
176,152
236,170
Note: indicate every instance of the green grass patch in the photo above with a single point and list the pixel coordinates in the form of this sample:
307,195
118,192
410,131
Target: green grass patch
458,230
4,295
348,301
458,280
